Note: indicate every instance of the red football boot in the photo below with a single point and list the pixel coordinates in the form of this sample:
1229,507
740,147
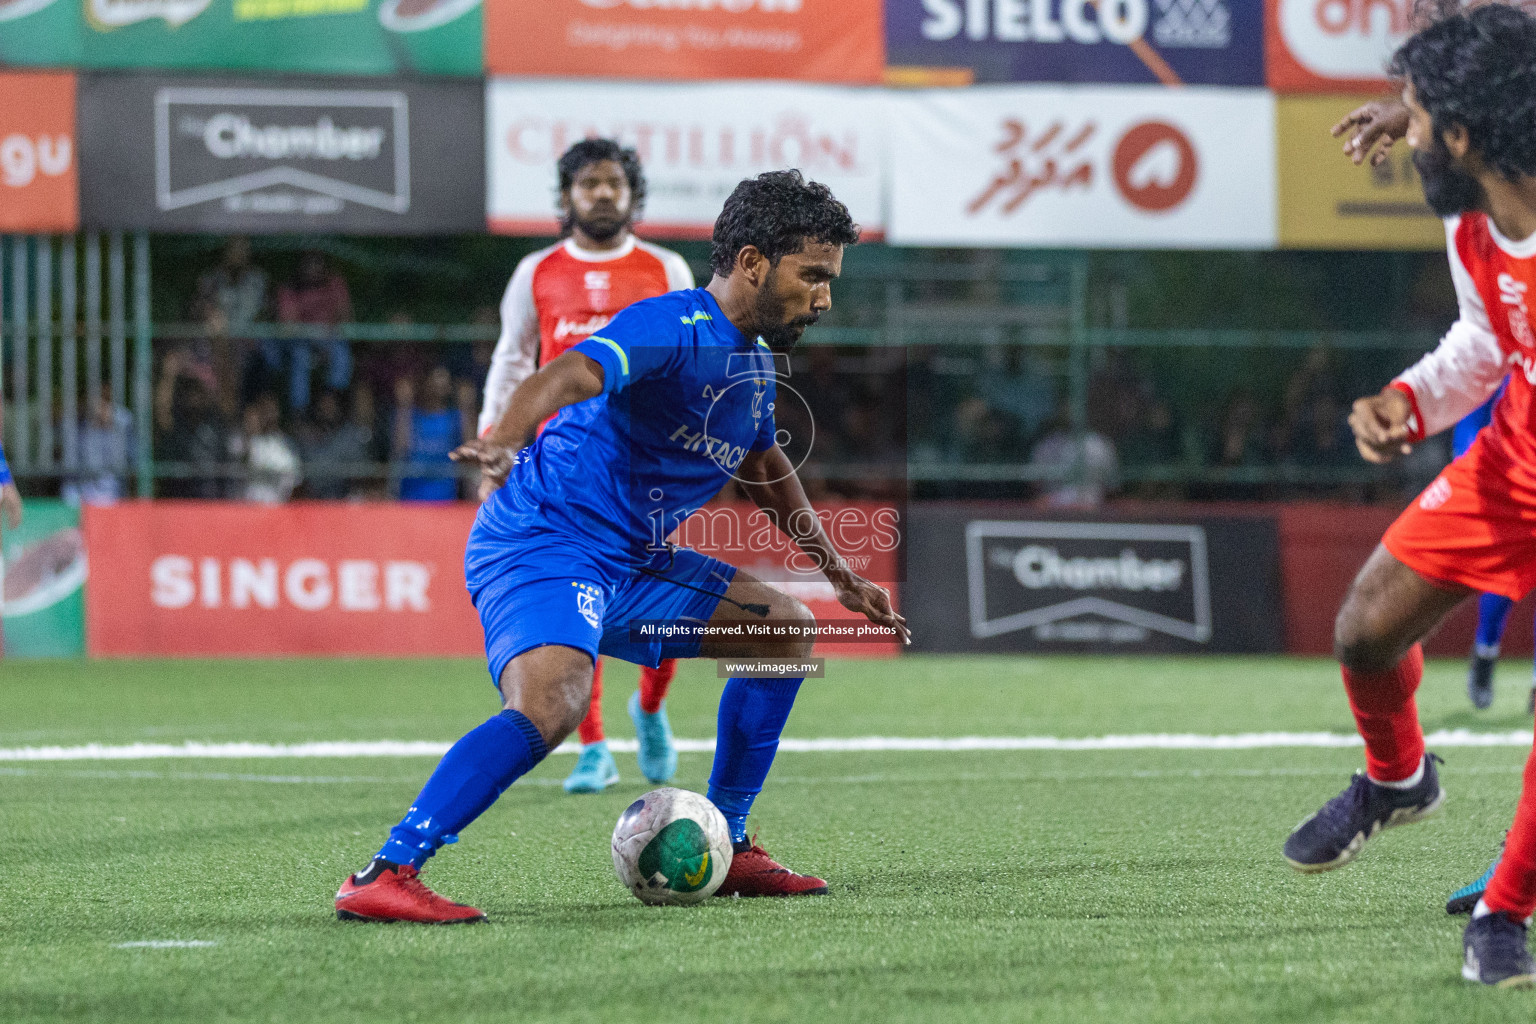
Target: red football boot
754,873
399,896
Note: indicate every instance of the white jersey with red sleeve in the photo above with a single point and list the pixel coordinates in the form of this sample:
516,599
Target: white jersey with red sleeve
560,295
1492,339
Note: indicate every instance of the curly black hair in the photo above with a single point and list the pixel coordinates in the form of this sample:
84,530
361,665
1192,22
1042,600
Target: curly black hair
777,213
1478,69
591,151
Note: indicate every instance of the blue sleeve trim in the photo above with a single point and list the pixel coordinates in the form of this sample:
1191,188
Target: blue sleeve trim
5,469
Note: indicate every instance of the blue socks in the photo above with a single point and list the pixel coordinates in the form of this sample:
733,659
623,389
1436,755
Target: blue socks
469,778
1492,611
752,716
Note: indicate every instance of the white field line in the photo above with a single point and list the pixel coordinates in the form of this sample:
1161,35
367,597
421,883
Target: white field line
855,744
875,779
165,944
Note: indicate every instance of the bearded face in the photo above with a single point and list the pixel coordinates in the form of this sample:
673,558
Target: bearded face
1448,188
781,331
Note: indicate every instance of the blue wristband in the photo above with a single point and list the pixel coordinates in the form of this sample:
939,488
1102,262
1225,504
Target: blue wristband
5,470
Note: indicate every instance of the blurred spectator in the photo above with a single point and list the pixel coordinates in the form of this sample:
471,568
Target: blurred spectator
318,296
979,433
191,432
271,461
329,442
1154,439
234,291
107,454
231,298
1239,434
1087,465
424,434
1020,383
1321,435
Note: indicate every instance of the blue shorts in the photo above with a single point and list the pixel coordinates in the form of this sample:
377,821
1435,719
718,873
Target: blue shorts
557,593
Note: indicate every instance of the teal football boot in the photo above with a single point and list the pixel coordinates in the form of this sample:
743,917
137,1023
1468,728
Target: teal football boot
1463,900
657,753
594,771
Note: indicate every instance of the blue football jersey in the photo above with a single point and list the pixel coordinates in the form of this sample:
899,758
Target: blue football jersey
686,396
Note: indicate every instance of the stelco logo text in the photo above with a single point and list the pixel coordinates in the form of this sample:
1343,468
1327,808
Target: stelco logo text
1020,21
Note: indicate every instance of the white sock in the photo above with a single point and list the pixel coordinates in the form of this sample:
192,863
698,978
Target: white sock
1487,652
1408,783
1481,910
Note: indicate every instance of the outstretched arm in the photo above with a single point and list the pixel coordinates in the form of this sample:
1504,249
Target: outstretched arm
770,481
564,381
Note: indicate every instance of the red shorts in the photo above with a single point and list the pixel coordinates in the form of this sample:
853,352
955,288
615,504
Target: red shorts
1474,526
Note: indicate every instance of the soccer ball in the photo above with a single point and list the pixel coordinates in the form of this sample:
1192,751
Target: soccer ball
671,847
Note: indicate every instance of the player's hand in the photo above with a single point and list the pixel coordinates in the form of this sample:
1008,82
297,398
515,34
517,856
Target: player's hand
1380,423
494,460
485,487
871,600
1381,121
10,504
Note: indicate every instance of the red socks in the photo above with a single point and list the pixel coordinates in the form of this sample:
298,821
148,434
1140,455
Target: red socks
1513,886
654,683
1388,718
591,728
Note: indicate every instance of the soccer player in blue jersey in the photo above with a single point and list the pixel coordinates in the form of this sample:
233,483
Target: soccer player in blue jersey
673,399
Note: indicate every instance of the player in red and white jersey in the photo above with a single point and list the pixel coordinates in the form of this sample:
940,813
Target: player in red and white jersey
1470,88
557,297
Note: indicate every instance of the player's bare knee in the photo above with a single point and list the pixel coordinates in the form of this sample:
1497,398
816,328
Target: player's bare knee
1360,641
552,689
793,610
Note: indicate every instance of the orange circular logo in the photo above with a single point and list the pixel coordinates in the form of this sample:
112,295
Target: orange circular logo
1156,167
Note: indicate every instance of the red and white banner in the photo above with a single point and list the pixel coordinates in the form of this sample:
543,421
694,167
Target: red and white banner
312,578
207,578
1110,167
697,143
810,40
1332,45
39,182
866,534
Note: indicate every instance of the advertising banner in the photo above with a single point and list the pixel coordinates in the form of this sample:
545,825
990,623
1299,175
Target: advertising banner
1112,166
1326,202
696,142
357,37
43,569
1076,585
39,183
294,155
1333,45
867,534
205,578
313,578
809,40
1172,42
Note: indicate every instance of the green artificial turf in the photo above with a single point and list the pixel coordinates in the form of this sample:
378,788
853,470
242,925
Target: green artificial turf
1034,886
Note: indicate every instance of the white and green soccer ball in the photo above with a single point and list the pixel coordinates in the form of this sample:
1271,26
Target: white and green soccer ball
671,847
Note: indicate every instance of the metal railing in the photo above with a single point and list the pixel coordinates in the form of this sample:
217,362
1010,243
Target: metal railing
60,352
